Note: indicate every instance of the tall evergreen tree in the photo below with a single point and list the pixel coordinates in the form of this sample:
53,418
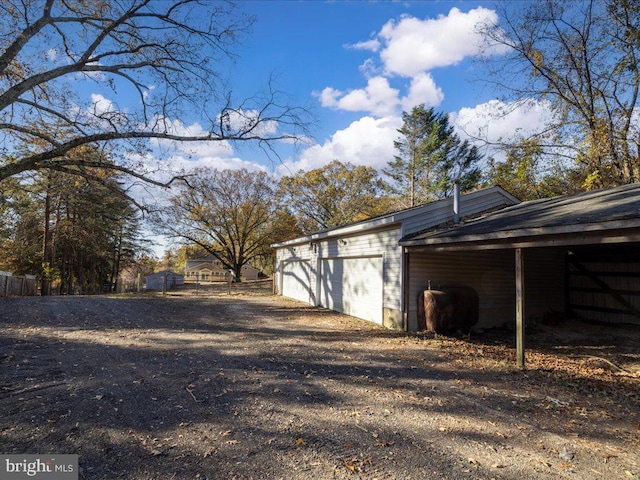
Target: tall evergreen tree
431,157
77,234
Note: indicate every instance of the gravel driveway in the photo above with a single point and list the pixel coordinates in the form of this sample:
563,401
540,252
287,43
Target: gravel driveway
260,387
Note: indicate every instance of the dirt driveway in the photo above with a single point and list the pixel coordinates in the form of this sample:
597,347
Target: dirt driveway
255,386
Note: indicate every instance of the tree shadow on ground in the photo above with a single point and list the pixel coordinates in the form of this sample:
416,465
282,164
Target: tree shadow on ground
179,387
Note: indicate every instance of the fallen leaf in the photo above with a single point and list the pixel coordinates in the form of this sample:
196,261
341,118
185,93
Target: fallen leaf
384,443
350,466
301,441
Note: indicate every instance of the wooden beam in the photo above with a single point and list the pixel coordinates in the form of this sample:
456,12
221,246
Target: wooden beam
520,308
573,240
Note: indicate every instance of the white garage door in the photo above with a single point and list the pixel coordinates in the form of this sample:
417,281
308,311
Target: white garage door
352,286
296,280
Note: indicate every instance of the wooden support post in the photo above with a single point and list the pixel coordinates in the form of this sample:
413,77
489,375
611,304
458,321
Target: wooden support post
520,309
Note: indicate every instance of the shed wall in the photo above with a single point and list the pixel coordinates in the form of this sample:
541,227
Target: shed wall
381,243
492,274
544,277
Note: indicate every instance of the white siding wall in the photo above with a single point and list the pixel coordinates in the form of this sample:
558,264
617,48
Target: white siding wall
382,243
296,253
353,286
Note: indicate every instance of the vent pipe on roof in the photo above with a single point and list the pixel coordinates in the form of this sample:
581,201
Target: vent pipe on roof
456,202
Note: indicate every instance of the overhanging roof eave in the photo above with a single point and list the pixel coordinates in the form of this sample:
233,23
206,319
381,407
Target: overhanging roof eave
529,237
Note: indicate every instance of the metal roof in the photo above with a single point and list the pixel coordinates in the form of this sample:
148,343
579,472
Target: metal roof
595,211
395,218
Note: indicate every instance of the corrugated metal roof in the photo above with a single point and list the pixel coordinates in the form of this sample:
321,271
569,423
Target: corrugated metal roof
596,210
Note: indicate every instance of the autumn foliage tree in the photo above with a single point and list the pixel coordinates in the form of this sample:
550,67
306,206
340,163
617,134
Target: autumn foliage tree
333,195
229,214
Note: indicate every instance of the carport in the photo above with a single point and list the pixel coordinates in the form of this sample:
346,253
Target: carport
578,254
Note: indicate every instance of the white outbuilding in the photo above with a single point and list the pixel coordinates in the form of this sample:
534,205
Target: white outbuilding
360,269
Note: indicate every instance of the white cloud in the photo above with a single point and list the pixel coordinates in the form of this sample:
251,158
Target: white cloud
377,98
51,54
192,149
372,45
422,90
103,112
496,120
410,47
101,105
180,163
329,97
413,46
370,68
148,91
492,123
249,121
367,141
165,168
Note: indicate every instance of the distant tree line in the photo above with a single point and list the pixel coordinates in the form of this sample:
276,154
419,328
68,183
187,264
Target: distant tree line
78,235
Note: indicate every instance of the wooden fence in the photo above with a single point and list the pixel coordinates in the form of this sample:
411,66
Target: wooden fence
17,285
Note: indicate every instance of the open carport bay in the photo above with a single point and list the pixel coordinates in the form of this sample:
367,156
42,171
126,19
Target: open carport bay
256,386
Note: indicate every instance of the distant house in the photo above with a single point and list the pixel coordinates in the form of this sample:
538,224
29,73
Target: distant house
210,269
156,280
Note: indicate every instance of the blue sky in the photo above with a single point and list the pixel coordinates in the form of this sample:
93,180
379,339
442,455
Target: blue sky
358,65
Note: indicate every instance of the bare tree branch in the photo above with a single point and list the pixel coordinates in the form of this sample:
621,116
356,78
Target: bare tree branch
166,53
